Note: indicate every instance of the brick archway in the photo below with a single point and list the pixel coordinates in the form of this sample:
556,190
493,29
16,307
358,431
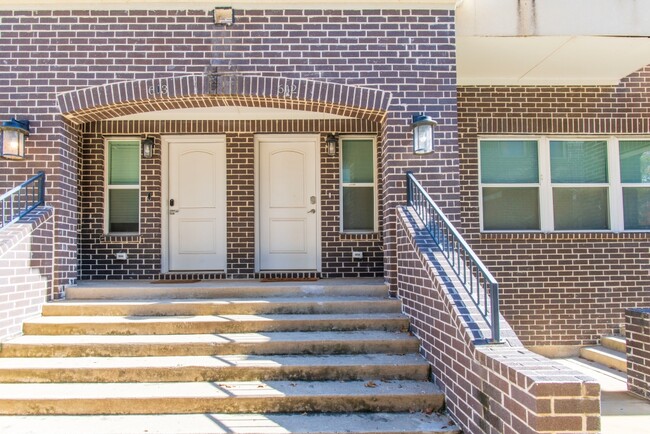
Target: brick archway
212,90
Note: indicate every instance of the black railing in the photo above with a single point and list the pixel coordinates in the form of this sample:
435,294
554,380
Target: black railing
19,201
481,286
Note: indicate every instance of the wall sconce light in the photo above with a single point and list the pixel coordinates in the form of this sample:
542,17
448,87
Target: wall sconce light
331,142
224,16
147,148
12,139
423,129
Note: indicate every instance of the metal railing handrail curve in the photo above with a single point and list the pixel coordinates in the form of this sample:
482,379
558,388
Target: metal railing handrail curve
477,280
19,201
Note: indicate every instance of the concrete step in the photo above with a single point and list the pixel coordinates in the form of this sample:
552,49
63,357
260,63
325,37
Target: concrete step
336,423
616,343
605,356
142,289
214,368
219,397
114,325
352,342
238,306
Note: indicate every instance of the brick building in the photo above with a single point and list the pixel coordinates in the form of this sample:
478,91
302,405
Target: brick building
231,108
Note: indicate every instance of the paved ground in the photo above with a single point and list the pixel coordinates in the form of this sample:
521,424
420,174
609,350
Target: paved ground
621,413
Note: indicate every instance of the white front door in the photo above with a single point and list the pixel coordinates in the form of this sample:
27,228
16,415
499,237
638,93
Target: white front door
196,203
288,202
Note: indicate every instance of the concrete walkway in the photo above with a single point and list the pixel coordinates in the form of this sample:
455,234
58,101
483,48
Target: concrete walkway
621,412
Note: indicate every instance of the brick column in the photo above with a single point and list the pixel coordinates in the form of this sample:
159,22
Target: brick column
637,334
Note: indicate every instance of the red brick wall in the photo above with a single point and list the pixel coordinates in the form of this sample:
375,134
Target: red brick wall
26,251
97,251
557,289
408,53
501,388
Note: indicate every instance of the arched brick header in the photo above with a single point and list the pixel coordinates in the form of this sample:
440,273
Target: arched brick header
195,91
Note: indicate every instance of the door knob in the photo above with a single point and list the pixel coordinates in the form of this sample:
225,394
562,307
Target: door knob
311,211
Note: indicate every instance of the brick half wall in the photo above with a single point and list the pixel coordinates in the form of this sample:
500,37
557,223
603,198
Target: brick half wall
500,388
637,336
26,256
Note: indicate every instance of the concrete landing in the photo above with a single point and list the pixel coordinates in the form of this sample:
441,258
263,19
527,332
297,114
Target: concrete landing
371,423
621,412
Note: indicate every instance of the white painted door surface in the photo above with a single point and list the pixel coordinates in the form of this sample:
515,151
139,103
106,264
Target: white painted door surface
197,203
289,213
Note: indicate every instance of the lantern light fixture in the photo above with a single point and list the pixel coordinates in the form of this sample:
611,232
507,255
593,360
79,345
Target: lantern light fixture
332,143
12,139
147,147
423,128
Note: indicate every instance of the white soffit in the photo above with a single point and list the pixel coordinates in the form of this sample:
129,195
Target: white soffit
227,114
549,60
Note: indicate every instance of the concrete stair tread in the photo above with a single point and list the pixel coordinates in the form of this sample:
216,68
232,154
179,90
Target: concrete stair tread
605,356
89,325
358,423
97,290
614,342
243,338
225,361
277,305
222,389
321,342
220,397
206,318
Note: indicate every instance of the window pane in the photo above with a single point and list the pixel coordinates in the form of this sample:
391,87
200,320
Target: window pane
509,161
511,208
580,209
124,163
636,208
358,162
123,210
578,162
635,161
358,209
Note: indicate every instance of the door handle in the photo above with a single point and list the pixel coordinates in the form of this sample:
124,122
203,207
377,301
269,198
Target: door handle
311,211
173,211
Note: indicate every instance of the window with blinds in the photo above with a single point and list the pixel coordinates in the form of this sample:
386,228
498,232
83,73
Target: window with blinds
122,186
358,184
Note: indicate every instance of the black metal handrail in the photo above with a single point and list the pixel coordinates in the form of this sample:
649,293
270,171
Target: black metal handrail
19,201
479,283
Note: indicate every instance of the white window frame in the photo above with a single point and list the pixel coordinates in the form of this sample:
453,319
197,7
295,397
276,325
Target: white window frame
359,184
547,224
108,187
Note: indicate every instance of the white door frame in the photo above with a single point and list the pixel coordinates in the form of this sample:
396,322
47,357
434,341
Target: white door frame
164,205
302,138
